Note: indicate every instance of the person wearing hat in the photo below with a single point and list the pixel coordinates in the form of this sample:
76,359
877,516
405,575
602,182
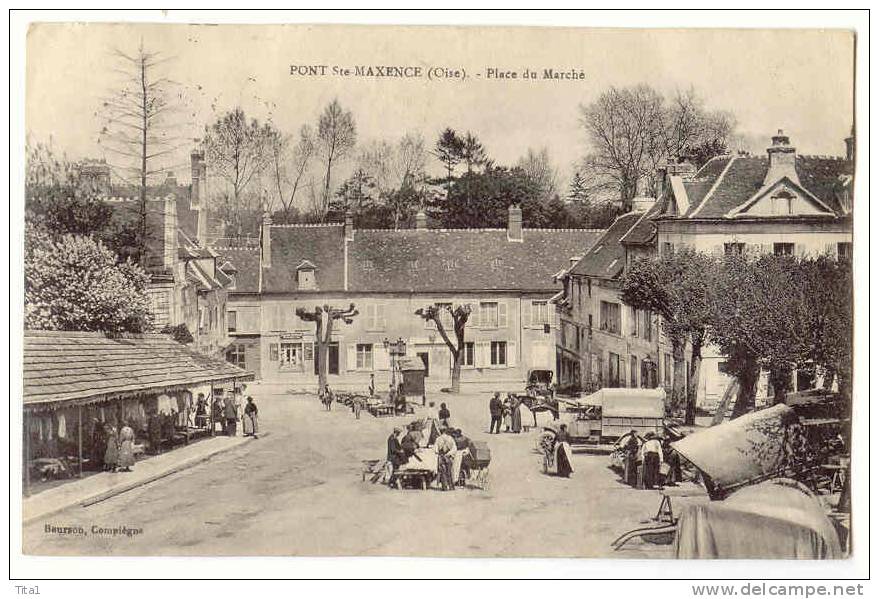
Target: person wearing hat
496,409
631,448
651,457
396,455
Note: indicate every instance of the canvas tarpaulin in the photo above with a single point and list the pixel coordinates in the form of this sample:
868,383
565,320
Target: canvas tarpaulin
774,519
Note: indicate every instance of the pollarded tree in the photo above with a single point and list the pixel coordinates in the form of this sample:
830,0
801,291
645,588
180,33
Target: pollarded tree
323,319
676,286
460,315
73,283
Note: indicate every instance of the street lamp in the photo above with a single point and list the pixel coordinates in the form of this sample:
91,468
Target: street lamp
395,349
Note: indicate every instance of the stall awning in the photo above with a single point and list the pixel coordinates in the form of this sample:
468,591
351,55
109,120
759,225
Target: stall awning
72,368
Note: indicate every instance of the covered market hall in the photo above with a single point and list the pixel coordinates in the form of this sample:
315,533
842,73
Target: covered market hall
80,385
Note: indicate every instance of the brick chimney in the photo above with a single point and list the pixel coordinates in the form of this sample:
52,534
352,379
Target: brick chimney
782,160
421,220
349,226
265,240
169,241
514,223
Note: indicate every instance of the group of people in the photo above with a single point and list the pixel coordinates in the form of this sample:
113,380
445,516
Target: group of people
446,442
113,449
643,458
512,411
225,413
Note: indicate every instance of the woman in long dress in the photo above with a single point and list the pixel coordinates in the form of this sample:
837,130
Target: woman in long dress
515,415
126,448
251,418
525,416
111,454
563,453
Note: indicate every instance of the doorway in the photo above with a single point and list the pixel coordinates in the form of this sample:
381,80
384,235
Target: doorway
425,358
332,358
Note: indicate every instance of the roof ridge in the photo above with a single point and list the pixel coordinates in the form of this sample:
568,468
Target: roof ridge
306,225
478,230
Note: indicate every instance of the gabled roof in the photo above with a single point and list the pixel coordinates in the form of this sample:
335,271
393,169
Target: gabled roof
429,260
724,183
245,259
644,231
607,257
84,367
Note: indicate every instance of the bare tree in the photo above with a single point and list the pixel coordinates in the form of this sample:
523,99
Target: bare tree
141,117
239,150
323,319
538,168
336,135
633,130
288,167
460,315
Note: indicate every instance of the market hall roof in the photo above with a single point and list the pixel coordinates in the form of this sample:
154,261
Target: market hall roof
421,260
75,367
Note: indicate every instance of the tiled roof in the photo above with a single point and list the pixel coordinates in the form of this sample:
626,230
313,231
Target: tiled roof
422,260
245,259
83,367
462,259
644,230
820,175
607,257
291,244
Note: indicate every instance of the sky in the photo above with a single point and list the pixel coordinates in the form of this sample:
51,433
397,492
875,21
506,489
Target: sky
797,80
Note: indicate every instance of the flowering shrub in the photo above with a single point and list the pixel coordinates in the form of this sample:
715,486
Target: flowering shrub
76,283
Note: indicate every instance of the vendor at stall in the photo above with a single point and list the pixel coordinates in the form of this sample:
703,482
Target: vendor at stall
396,454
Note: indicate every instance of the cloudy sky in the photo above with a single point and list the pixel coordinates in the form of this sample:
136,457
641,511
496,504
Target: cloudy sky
796,80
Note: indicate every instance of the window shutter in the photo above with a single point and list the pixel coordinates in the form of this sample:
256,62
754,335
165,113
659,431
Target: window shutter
474,315
351,358
502,315
526,313
273,352
830,249
381,323
380,357
512,354
483,354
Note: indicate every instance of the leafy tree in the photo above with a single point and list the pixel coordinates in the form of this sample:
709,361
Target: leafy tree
473,153
448,150
460,314
179,333
578,190
74,283
323,319
677,287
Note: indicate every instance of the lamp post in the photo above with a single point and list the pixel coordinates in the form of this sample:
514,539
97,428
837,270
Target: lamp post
395,349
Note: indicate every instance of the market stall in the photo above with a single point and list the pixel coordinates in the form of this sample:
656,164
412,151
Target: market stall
80,388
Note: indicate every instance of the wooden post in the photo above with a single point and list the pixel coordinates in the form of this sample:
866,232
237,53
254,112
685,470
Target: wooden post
211,409
186,412
79,438
27,456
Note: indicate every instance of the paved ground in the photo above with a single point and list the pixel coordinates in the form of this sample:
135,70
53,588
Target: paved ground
299,492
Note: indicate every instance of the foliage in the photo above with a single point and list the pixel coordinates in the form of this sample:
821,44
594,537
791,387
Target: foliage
76,283
179,333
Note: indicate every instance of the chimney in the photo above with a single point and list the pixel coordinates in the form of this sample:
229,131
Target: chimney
265,240
850,146
782,160
169,245
421,220
195,162
349,226
661,175
514,223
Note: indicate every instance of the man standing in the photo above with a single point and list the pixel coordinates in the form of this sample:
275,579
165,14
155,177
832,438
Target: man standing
445,451
496,409
651,457
231,413
396,455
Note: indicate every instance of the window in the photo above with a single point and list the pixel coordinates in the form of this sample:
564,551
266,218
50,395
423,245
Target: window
364,356
648,325
232,321
613,369
590,325
783,203
498,353
273,352
734,249
783,249
235,355
579,294
488,315
633,372
291,356
539,313
610,317
577,338
634,322
667,248
374,315
469,353
589,287
844,250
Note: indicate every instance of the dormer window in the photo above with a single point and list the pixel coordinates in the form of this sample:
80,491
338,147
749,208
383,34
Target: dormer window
305,278
783,203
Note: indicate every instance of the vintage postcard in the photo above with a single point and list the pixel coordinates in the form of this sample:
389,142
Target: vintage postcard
438,291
